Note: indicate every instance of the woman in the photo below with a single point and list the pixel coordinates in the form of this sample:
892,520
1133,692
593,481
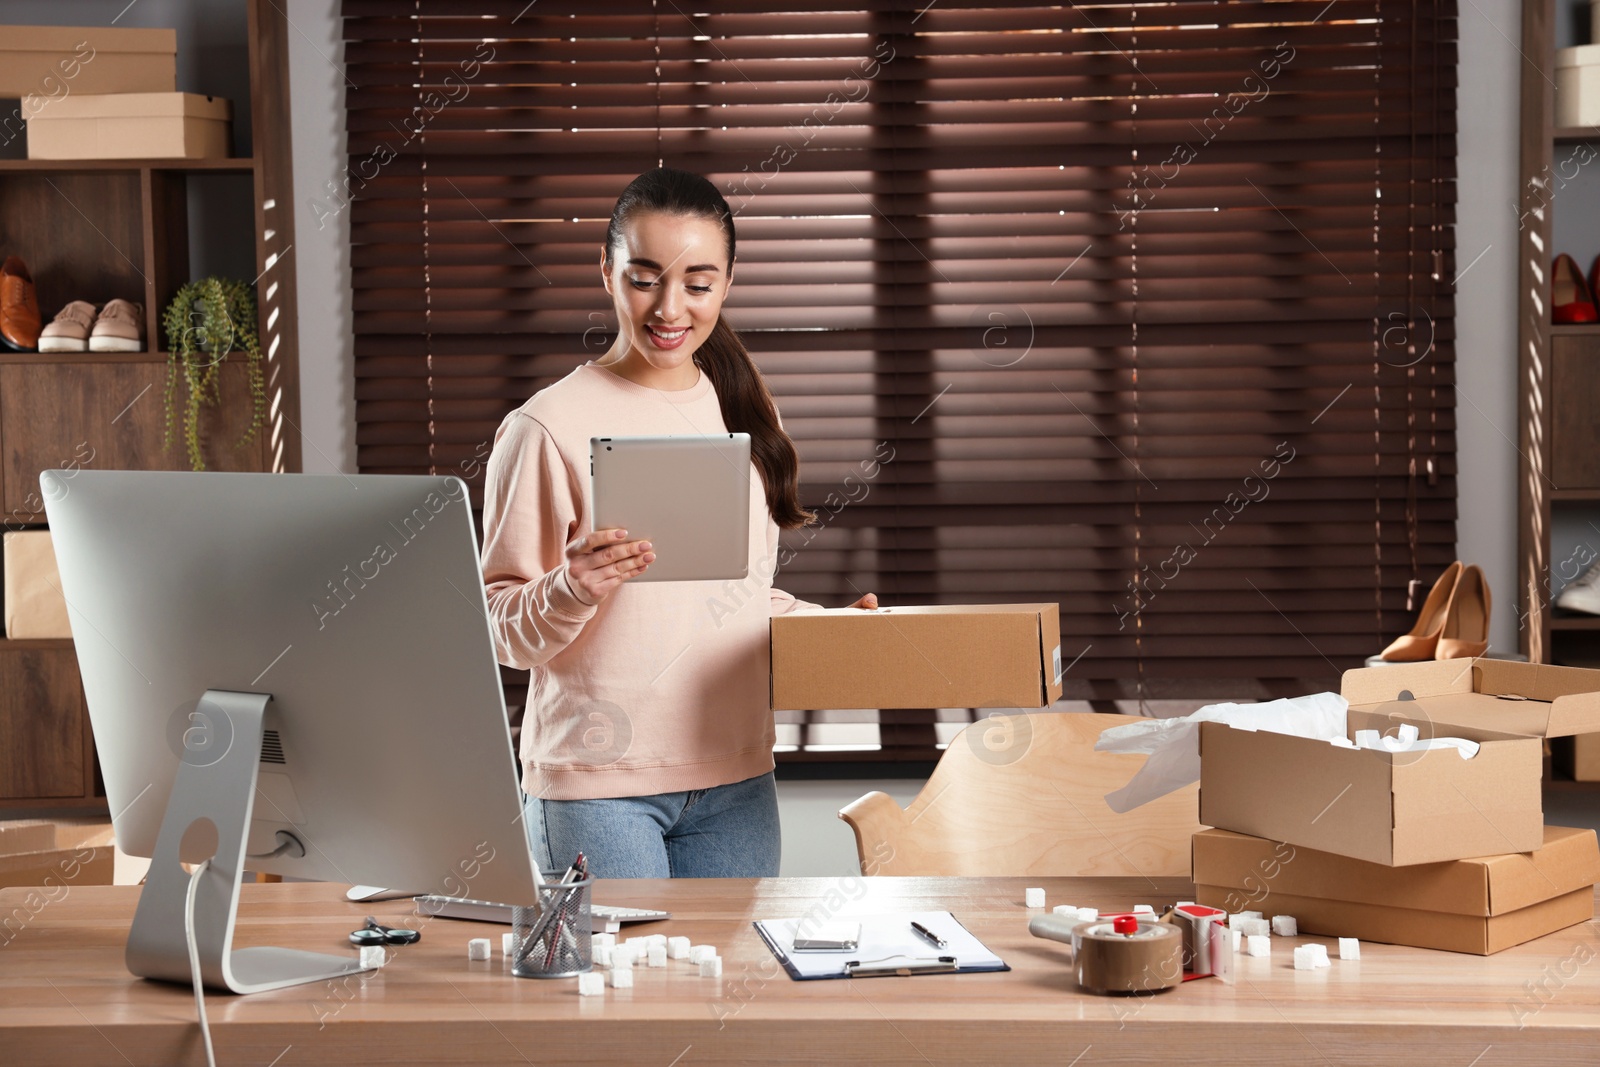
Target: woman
648,738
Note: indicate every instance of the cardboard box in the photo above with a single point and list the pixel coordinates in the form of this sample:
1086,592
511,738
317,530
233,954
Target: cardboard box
56,853
1577,758
1578,86
34,605
1406,808
132,126
50,62
948,656
1478,905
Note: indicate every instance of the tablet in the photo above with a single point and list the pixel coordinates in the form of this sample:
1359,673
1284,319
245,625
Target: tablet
688,495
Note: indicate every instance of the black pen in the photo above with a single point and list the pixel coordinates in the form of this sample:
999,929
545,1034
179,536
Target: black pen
928,935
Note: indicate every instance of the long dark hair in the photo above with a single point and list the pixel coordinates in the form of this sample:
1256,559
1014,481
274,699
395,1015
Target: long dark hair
747,405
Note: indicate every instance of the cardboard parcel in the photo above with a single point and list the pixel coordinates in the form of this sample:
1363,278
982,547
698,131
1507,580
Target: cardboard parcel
945,656
34,604
44,64
1478,905
1401,808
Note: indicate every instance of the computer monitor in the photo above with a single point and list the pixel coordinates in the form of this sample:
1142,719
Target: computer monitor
292,674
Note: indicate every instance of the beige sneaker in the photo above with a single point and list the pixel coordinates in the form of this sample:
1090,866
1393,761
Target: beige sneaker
69,330
120,328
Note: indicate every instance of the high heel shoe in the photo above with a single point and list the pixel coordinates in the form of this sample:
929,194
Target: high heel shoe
1423,639
1570,297
1466,620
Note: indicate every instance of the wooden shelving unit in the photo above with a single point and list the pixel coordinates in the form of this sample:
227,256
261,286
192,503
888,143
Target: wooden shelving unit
98,230
1559,376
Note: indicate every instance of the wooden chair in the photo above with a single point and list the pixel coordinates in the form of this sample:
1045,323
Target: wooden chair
1025,795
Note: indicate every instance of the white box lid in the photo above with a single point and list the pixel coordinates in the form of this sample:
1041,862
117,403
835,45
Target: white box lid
1584,55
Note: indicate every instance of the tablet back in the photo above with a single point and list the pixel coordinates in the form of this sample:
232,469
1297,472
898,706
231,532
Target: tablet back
688,495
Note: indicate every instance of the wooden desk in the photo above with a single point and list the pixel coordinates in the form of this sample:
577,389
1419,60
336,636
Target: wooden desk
66,998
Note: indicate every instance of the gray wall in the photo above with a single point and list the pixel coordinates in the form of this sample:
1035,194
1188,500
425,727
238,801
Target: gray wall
815,842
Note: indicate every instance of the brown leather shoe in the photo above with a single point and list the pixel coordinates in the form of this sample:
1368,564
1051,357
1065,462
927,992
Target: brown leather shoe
19,307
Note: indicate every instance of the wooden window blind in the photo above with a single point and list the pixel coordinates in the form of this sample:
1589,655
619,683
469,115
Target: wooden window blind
1141,308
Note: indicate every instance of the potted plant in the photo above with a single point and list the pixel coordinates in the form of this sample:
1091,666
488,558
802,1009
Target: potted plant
205,322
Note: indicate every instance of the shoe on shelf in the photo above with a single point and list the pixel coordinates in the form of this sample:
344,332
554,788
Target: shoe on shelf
1423,640
1571,299
1466,619
1582,593
69,330
19,307
120,328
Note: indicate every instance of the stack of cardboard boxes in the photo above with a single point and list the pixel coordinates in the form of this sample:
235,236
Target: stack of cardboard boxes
94,92
1424,848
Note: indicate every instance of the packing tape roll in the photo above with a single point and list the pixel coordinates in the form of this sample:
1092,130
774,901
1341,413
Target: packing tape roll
1147,960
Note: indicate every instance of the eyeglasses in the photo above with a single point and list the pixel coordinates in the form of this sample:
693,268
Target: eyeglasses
375,933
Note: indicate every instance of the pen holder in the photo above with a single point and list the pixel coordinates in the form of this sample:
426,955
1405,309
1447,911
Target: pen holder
552,940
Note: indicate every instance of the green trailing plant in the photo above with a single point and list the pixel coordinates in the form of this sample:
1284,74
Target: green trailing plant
205,322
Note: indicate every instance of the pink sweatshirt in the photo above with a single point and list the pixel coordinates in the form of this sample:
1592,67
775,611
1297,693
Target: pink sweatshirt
663,686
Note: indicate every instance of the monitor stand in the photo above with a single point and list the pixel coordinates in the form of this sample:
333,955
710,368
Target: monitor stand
212,796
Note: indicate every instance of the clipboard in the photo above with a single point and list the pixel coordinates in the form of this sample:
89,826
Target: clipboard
888,947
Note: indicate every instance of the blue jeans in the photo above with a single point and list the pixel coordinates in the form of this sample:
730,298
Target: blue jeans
727,831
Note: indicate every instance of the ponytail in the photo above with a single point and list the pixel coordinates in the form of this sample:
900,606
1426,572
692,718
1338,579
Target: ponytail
742,392
747,407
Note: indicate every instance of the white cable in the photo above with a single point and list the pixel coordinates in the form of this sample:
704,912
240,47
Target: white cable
194,960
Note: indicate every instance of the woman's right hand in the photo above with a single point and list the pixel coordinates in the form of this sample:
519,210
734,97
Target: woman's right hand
598,563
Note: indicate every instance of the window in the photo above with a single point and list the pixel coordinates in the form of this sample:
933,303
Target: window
1141,308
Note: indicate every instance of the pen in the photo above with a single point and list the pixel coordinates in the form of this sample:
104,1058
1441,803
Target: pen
928,935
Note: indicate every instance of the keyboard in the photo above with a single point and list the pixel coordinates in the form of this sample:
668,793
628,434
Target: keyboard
604,918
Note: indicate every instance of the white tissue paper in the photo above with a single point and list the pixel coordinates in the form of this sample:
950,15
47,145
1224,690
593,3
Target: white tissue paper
1173,745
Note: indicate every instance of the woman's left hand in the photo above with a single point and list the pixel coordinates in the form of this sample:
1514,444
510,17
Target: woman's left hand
868,602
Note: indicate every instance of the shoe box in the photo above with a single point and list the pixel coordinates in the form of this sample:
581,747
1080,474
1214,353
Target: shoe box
1480,905
132,126
944,656
1578,86
1402,808
44,64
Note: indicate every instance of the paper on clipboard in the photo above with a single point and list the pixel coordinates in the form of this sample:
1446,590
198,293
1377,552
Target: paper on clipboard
885,939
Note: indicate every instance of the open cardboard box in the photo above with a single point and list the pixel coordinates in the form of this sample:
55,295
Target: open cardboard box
1406,808
1478,905
945,656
